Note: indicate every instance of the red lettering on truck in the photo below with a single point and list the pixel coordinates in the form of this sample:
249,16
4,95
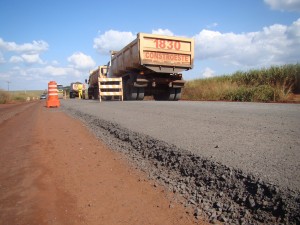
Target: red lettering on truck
167,44
159,56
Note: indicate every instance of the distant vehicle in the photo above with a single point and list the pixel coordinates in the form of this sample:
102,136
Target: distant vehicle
43,96
60,91
74,90
93,90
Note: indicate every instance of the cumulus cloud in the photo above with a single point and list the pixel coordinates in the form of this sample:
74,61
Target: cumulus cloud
275,44
55,62
27,52
27,58
212,25
2,60
4,75
208,72
53,71
284,5
116,40
16,59
112,40
166,32
32,58
30,48
81,61
41,75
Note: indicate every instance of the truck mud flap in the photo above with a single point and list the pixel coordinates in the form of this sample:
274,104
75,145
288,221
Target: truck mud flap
140,83
177,83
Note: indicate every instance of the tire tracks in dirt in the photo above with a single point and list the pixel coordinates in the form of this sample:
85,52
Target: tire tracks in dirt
54,171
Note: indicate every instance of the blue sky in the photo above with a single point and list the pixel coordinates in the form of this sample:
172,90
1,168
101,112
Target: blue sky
62,40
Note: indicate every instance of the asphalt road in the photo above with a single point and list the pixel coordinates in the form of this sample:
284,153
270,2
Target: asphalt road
261,139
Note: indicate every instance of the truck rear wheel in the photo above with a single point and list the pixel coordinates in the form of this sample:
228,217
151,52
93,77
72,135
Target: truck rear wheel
95,93
90,93
162,96
131,92
141,94
177,94
171,94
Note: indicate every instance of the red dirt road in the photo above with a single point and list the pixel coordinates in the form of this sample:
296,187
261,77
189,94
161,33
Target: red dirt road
54,171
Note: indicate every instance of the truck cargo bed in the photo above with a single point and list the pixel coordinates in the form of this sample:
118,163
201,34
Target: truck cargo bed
154,53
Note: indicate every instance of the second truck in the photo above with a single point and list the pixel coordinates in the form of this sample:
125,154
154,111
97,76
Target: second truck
74,89
151,65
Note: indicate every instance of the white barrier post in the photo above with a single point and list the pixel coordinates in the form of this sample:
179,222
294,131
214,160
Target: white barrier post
106,88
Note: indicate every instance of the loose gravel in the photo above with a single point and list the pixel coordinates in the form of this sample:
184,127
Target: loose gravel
218,190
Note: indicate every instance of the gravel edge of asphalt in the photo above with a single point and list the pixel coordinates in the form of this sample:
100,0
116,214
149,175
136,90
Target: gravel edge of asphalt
219,192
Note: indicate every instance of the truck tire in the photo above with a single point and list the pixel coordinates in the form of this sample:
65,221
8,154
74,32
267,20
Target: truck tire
178,94
141,94
161,97
166,95
71,95
90,93
96,94
170,94
131,92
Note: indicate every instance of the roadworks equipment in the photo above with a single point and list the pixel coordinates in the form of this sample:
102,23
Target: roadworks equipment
52,100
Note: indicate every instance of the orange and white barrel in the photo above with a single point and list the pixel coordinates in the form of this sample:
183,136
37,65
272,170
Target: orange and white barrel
52,100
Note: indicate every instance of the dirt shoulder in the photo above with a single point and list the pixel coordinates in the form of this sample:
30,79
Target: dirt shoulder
54,171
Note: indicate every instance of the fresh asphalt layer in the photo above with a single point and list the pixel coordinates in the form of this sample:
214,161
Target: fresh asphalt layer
261,139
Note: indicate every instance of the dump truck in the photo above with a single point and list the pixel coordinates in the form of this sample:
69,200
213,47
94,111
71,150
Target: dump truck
152,65
74,90
93,89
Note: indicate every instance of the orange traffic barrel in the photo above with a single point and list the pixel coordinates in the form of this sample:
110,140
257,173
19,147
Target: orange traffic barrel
52,100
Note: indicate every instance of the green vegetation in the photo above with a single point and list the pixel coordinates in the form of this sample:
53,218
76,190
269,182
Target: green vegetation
4,97
274,84
18,96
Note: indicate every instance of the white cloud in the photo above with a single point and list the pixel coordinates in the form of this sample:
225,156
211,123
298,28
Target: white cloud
55,62
284,5
16,59
2,60
27,58
208,72
81,61
276,44
53,71
4,76
30,48
42,75
48,72
116,40
28,52
112,40
166,32
212,25
32,58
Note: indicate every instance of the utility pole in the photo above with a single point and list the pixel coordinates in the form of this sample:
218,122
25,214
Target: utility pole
8,82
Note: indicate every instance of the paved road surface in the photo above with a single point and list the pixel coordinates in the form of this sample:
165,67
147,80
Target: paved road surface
263,139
